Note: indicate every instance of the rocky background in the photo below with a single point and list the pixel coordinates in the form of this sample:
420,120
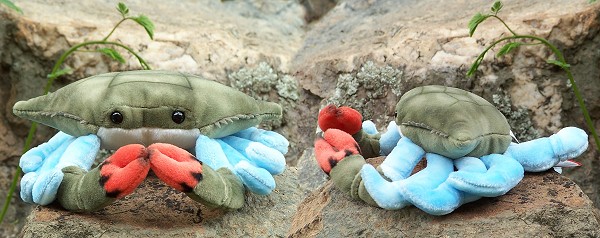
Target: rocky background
305,54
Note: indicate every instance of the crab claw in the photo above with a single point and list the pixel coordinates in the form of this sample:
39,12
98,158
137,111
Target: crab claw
332,147
115,178
343,118
123,172
544,153
503,173
175,166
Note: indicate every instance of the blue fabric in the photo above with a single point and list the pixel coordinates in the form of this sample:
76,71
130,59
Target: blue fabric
439,189
544,153
369,127
43,165
400,163
254,155
389,139
503,173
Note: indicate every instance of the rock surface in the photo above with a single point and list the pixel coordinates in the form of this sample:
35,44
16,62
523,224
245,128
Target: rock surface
543,205
156,210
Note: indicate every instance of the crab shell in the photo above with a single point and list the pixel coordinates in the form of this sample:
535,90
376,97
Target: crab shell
452,122
147,101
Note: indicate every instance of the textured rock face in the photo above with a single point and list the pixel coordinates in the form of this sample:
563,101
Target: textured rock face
156,210
542,205
363,54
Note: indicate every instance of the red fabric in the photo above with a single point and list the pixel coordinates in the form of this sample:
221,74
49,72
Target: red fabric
343,118
125,170
333,147
175,166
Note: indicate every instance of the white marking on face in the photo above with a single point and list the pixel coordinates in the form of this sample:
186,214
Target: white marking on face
115,138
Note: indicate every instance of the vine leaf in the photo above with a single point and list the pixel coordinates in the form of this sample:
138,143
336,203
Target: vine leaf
146,23
123,9
496,7
59,73
559,64
475,21
11,5
113,54
508,48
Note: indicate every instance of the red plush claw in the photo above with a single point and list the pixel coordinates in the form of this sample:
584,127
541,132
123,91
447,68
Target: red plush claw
124,171
175,166
343,118
332,147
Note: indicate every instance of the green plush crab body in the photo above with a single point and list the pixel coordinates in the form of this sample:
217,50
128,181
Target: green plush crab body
467,143
166,113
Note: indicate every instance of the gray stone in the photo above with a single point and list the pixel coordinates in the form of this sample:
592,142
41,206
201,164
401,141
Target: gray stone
543,205
156,210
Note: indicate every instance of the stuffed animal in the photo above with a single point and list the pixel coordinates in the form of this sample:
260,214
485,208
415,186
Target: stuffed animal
466,142
153,119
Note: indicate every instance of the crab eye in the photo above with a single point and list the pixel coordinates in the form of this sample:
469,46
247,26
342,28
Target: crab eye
178,117
116,117
395,115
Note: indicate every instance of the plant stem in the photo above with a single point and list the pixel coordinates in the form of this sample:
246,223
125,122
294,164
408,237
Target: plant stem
13,185
504,23
114,28
74,48
561,58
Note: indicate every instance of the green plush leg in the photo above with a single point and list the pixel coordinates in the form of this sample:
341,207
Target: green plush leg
118,176
80,191
368,143
346,177
219,189
182,171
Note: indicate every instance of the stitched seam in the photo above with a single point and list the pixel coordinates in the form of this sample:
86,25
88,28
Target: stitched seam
442,134
231,119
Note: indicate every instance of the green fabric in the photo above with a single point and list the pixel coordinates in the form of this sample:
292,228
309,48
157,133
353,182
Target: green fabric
147,99
452,122
369,144
346,177
219,189
80,191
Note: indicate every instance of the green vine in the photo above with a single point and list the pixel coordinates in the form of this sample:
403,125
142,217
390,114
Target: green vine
513,43
11,5
57,71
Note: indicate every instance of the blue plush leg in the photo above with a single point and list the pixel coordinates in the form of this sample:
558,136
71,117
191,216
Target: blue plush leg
209,152
543,153
259,154
269,138
386,194
256,179
427,189
470,164
389,139
369,127
43,165
503,174
400,163
42,182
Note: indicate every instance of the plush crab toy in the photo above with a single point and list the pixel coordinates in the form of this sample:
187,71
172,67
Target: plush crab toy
153,119
466,142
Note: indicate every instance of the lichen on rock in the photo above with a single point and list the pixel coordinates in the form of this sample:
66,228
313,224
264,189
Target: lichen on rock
519,118
261,82
358,89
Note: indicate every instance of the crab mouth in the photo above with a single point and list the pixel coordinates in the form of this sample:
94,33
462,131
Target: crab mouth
114,138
